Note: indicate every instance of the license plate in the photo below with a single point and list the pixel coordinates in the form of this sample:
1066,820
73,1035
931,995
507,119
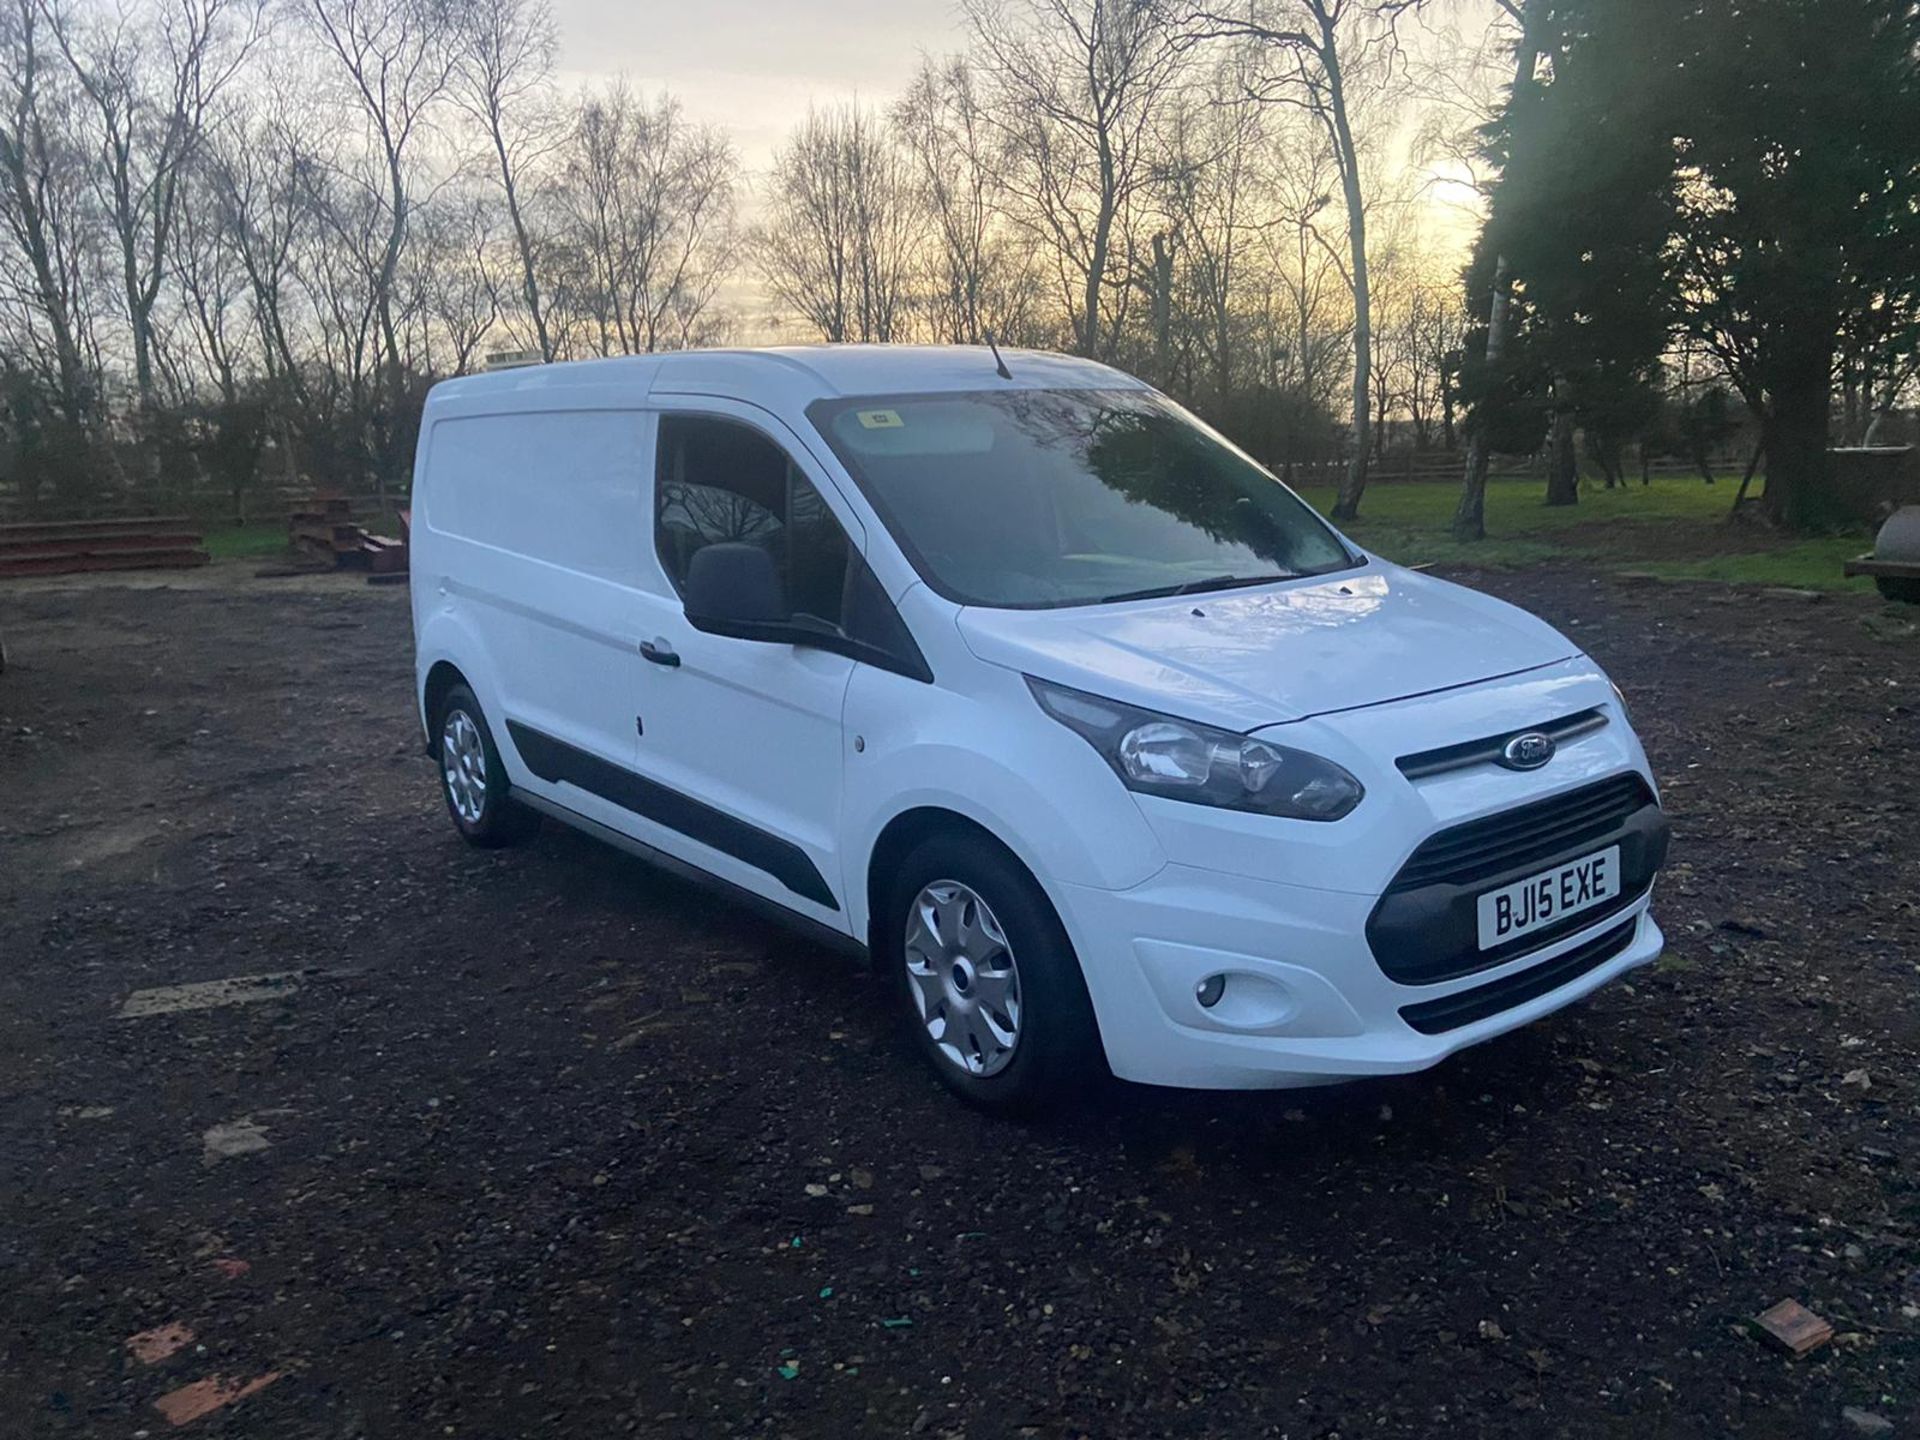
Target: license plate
1538,901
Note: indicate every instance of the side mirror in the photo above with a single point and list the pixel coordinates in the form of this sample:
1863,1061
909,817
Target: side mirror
732,589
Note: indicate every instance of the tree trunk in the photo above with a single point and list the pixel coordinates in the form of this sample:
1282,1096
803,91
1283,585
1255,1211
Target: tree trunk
523,242
1608,452
1470,518
140,323
1794,432
1223,346
1347,505
1097,254
389,460
1746,480
22,159
1381,400
1883,408
1162,309
1563,469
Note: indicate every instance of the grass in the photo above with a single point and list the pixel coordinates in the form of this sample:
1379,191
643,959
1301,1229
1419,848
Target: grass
1675,528
246,542
1809,565
268,539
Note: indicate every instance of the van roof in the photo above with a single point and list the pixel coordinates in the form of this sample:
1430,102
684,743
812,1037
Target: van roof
798,375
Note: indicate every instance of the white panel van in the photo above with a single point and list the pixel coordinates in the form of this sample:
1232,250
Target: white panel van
1011,674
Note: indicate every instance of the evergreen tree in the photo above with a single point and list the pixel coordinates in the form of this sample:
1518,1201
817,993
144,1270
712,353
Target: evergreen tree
1742,168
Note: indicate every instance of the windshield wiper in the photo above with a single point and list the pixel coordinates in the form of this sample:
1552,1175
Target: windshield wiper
1194,587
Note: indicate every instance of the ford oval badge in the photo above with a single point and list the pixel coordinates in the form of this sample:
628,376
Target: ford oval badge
1528,752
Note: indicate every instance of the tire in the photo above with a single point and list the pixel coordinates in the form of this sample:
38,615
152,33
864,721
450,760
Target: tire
473,781
970,985
1899,588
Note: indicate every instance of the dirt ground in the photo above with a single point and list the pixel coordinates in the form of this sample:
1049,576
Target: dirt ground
544,1144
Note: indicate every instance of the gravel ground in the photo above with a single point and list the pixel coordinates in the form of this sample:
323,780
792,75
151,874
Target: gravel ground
542,1143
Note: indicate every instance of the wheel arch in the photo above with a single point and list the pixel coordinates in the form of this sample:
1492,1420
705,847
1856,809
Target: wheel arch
1071,992
441,677
450,650
898,838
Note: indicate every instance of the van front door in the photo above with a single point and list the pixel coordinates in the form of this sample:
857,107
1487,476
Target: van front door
741,741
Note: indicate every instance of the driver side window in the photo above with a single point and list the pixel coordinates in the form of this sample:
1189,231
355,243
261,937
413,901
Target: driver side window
719,481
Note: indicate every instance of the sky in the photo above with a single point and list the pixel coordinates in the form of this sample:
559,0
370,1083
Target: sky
753,66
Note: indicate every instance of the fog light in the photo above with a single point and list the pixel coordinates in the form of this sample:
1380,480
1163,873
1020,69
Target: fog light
1209,991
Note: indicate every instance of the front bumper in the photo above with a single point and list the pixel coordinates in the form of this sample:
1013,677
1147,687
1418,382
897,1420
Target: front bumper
1306,1001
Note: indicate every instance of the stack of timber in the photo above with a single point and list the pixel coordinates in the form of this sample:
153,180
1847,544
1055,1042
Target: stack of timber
71,547
323,535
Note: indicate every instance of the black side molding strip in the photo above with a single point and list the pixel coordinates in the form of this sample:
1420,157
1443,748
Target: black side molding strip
781,914
556,762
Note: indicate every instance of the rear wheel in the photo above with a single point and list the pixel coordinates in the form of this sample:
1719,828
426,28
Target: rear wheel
1902,588
986,979
473,780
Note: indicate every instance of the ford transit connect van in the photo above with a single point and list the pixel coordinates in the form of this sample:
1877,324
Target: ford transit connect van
1109,752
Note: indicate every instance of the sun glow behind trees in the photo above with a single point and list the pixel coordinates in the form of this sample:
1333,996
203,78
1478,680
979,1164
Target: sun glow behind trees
232,231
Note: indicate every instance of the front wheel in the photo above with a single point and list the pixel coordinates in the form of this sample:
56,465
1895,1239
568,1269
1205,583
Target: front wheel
1900,588
987,982
473,780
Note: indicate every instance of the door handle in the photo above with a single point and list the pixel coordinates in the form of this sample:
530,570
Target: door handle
659,652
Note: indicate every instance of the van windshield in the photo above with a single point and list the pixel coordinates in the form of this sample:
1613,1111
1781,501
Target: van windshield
1027,499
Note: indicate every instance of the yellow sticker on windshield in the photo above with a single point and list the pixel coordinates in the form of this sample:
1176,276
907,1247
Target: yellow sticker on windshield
881,420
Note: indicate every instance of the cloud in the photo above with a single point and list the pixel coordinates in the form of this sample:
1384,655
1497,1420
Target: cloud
755,65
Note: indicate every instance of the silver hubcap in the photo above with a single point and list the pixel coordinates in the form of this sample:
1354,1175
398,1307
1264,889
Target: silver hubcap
463,760
964,980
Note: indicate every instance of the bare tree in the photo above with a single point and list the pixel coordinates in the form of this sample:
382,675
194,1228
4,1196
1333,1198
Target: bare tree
1306,269
505,64
1435,330
838,243
1312,46
1418,329
980,278
1393,283
1079,90
152,80
650,200
451,271
42,206
301,242
1215,201
336,261
213,285
257,170
396,58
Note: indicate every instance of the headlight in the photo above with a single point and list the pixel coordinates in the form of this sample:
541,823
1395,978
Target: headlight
1181,760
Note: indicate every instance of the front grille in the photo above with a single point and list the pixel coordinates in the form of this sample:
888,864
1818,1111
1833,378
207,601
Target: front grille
1471,852
1469,1007
1425,930
1491,749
